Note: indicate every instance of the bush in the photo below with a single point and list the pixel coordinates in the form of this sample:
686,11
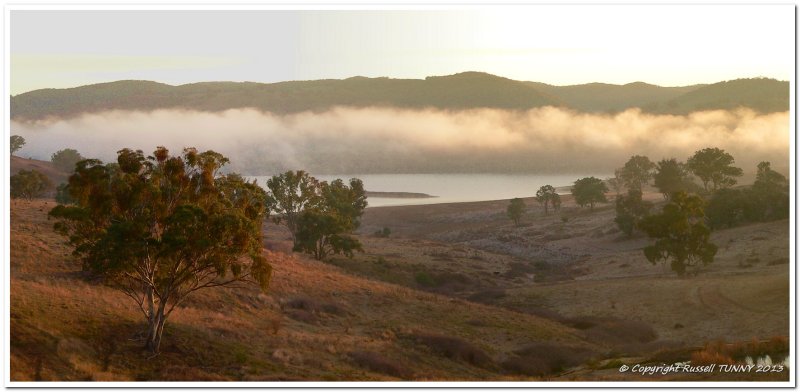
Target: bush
630,210
380,364
62,194
540,359
424,279
454,348
29,184
310,305
630,337
383,233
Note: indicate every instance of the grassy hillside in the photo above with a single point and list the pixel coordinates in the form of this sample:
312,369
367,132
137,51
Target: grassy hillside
760,94
602,97
55,175
316,323
460,91
455,293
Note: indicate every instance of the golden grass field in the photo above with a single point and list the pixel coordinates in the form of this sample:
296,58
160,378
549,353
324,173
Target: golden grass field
456,292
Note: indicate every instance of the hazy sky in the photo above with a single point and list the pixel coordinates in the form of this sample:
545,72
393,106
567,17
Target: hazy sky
667,45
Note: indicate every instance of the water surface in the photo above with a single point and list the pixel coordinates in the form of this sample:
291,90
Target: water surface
452,188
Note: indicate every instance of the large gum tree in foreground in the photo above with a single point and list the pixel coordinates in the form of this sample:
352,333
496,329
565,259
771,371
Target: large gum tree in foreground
161,227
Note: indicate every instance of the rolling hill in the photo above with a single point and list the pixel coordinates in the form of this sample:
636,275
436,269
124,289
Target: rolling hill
454,92
760,94
603,97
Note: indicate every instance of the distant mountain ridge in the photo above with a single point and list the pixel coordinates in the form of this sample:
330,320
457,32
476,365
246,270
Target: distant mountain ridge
467,90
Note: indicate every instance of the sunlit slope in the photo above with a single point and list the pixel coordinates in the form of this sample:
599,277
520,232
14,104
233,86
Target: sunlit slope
760,94
603,97
316,323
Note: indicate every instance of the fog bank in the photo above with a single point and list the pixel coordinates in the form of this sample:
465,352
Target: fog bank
386,140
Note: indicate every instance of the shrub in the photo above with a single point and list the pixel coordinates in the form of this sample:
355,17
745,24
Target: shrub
540,359
424,279
630,210
62,194
487,296
28,184
515,210
454,348
383,233
380,364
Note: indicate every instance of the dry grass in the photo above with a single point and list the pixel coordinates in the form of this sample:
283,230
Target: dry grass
65,327
721,352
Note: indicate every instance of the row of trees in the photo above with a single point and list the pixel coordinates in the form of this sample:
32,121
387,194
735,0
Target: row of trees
161,227
586,191
713,166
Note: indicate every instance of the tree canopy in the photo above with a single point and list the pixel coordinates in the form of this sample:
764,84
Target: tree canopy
289,194
161,227
714,166
546,195
28,184
637,172
631,209
16,143
681,234
672,176
325,226
589,190
66,159
515,209
767,199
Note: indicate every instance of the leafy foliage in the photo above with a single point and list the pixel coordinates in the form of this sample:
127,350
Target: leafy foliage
547,195
589,190
637,172
28,184
16,143
290,194
767,199
771,193
615,182
515,210
62,194
715,166
681,234
66,159
161,227
324,227
671,177
631,209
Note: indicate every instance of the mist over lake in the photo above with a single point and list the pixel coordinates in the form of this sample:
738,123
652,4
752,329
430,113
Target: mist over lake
452,188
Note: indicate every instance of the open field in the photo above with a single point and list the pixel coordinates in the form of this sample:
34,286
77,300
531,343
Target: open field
456,292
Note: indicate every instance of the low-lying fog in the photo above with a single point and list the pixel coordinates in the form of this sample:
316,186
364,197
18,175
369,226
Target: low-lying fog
385,140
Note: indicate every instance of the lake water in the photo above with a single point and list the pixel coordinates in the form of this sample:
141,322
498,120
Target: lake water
451,188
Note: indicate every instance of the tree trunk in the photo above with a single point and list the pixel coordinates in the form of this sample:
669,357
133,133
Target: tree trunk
155,329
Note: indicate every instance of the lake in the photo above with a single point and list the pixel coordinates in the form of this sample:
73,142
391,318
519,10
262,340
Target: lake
452,188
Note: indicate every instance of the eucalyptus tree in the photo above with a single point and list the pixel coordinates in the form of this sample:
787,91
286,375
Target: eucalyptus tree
161,227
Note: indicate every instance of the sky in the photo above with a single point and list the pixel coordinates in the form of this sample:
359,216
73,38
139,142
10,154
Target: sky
668,45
